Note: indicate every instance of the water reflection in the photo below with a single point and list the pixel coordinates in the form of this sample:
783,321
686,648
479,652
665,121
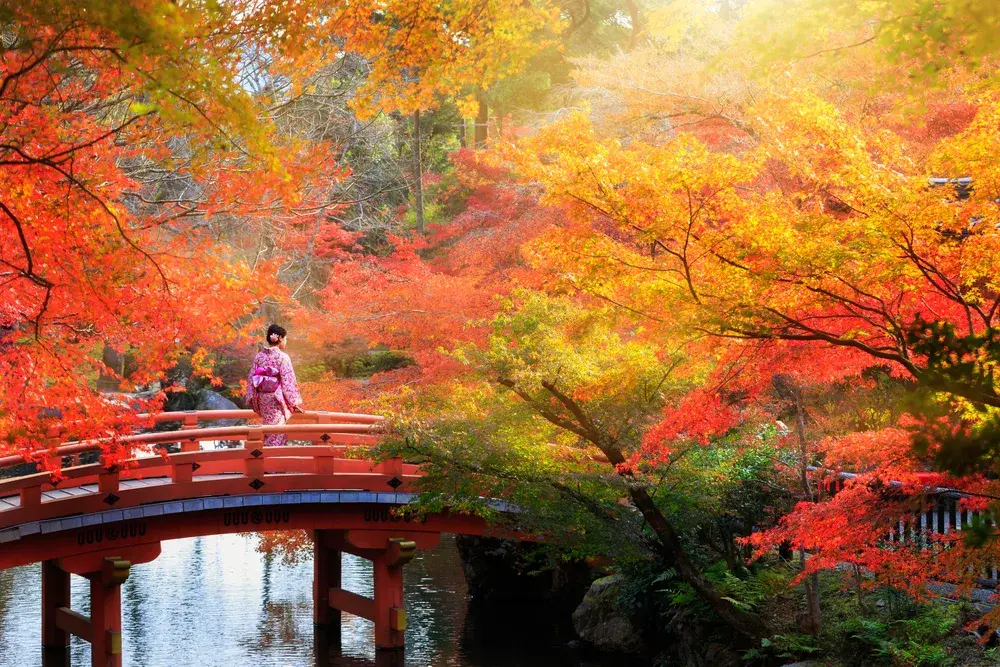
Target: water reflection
215,602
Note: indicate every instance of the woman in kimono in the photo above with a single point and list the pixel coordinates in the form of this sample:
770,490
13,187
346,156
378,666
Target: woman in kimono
271,389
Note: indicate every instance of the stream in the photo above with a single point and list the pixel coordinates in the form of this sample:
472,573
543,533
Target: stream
216,602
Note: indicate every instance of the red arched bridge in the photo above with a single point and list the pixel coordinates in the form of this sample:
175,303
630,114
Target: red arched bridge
97,522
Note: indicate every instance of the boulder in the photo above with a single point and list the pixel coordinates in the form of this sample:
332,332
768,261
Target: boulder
600,621
135,400
517,582
213,400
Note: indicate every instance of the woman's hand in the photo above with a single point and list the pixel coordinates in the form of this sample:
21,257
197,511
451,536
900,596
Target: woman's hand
297,408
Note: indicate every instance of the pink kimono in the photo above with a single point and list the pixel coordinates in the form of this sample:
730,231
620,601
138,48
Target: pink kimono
274,408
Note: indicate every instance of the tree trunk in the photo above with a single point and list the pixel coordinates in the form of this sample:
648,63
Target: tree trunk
667,541
862,603
462,141
482,121
673,552
399,135
812,582
418,185
110,379
635,18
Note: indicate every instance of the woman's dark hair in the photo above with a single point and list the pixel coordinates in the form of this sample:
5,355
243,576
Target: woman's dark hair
275,333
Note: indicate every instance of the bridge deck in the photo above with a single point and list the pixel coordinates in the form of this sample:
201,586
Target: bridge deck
98,519
156,483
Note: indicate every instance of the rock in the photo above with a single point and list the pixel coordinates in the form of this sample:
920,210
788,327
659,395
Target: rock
213,400
600,621
722,655
133,400
686,642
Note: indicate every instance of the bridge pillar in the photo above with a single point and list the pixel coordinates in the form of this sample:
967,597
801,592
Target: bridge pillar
388,554
390,618
106,613
326,575
103,628
55,594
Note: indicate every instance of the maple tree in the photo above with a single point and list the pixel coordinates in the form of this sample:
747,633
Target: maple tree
927,38
418,54
131,133
616,311
98,245
443,309
787,217
773,227
584,393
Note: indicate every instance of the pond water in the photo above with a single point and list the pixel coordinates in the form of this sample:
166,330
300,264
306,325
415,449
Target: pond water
216,602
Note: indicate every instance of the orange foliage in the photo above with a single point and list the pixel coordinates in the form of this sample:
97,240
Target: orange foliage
430,294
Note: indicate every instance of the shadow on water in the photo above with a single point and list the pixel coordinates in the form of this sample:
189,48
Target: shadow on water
216,602
329,653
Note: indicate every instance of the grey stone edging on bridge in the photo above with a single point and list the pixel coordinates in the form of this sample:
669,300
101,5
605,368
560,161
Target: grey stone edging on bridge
48,526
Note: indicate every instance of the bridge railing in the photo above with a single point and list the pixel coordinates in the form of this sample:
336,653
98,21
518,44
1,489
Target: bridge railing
938,511
192,472
190,420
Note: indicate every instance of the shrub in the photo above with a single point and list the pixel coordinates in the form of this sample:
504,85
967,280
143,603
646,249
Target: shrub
914,641
377,361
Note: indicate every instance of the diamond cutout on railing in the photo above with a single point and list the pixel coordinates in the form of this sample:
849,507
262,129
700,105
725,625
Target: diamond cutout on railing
195,466
256,453
256,484
395,483
112,499
325,437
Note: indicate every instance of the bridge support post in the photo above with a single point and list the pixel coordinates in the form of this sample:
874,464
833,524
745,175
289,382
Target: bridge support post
103,628
55,594
390,618
106,613
326,575
254,467
388,554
